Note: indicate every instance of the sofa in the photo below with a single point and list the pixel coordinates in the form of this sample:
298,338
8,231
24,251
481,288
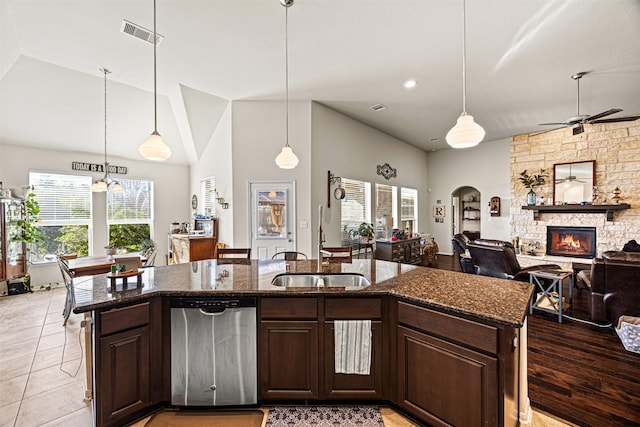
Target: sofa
614,286
497,258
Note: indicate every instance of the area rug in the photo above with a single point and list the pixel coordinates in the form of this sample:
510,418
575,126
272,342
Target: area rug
321,416
245,418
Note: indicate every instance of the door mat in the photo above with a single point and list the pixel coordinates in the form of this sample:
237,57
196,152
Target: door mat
321,416
246,418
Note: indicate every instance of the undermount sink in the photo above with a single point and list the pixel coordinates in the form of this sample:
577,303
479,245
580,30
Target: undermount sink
346,280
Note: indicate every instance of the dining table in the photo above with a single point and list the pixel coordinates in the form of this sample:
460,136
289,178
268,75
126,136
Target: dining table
90,265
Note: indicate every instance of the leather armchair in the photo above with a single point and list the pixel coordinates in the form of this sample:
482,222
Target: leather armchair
497,258
614,285
459,243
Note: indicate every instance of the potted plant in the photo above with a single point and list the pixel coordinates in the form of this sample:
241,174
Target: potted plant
365,232
31,233
532,181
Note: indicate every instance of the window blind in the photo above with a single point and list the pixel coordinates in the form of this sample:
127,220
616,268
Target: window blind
63,199
409,205
208,196
133,205
355,207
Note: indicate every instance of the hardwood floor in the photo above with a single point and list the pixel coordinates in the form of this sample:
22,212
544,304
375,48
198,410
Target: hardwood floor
578,372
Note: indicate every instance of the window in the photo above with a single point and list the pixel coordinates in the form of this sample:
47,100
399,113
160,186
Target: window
208,196
355,206
386,209
65,213
130,214
409,209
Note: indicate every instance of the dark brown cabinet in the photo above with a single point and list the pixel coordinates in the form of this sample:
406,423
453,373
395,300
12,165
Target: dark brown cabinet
406,251
125,374
450,372
297,349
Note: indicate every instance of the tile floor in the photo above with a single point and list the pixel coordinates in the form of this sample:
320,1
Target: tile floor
36,389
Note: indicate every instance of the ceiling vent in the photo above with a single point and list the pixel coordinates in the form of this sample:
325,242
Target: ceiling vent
378,107
139,32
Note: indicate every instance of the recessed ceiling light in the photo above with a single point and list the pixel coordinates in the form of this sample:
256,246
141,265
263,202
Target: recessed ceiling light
410,84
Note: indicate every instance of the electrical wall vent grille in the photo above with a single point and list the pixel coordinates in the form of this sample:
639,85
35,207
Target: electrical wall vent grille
378,107
139,32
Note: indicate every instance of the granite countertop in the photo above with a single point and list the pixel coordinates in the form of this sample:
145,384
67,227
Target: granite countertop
497,301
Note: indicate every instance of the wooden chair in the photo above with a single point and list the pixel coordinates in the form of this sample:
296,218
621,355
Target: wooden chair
67,278
290,255
233,255
338,254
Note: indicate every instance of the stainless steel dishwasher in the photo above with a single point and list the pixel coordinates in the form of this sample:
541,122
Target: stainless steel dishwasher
213,352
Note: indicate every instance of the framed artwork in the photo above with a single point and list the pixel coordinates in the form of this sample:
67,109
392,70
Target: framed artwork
438,213
494,206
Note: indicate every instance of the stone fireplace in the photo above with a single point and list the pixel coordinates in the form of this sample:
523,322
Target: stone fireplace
576,242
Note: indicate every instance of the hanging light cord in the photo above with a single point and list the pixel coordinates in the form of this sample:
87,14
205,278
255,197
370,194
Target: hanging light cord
105,71
286,71
155,87
464,60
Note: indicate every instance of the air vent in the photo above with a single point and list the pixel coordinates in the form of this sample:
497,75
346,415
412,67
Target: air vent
139,32
378,107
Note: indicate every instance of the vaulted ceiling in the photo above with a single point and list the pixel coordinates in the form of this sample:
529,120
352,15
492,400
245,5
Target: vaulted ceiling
346,54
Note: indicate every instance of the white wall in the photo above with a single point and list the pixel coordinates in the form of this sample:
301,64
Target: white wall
216,160
171,201
484,167
353,150
258,132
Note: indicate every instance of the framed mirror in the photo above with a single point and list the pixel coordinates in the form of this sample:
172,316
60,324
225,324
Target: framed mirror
573,182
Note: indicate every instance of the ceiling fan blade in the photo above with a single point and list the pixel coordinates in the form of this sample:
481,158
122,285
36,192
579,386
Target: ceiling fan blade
545,131
590,119
618,119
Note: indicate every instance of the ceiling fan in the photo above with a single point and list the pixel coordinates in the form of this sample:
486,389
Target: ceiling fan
579,120
569,178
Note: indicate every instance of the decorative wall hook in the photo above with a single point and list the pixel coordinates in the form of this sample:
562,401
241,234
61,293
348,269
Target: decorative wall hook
339,192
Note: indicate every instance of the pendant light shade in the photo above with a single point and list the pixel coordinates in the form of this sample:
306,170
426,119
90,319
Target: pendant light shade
103,184
466,133
154,148
287,158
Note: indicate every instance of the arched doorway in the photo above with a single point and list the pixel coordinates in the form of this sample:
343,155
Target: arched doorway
466,213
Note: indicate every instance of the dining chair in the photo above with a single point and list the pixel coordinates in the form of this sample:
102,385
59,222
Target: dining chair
67,278
233,255
290,255
338,254
131,263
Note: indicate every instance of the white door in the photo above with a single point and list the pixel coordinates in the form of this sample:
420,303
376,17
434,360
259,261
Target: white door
272,227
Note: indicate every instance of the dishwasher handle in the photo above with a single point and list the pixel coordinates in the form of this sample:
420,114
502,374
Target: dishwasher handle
212,311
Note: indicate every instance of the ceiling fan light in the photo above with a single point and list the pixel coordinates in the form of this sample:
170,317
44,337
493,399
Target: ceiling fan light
466,133
154,148
287,158
99,186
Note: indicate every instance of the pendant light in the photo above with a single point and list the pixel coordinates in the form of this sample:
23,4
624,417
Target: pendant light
106,181
154,148
466,133
287,158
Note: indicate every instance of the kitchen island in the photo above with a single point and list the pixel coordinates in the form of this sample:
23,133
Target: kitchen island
444,344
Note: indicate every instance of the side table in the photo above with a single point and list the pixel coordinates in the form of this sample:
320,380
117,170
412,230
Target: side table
553,284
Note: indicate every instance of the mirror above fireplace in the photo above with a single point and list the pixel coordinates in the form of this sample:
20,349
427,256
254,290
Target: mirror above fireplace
573,182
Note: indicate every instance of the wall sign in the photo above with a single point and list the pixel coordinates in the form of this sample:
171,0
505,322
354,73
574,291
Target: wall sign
97,167
438,213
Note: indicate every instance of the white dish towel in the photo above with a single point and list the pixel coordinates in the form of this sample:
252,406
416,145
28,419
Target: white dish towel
352,346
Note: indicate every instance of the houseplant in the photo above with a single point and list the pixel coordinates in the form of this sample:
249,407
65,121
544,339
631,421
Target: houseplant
532,181
365,232
31,233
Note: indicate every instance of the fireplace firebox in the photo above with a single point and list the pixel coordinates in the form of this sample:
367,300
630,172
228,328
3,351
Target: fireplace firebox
577,242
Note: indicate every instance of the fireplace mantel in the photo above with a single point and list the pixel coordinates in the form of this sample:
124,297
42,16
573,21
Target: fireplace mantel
573,209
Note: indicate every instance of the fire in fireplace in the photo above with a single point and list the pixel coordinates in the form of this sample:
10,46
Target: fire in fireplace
578,242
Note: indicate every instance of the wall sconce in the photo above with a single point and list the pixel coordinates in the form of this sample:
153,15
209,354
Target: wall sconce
221,201
338,193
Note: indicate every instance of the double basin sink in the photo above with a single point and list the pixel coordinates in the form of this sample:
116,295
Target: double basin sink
349,281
